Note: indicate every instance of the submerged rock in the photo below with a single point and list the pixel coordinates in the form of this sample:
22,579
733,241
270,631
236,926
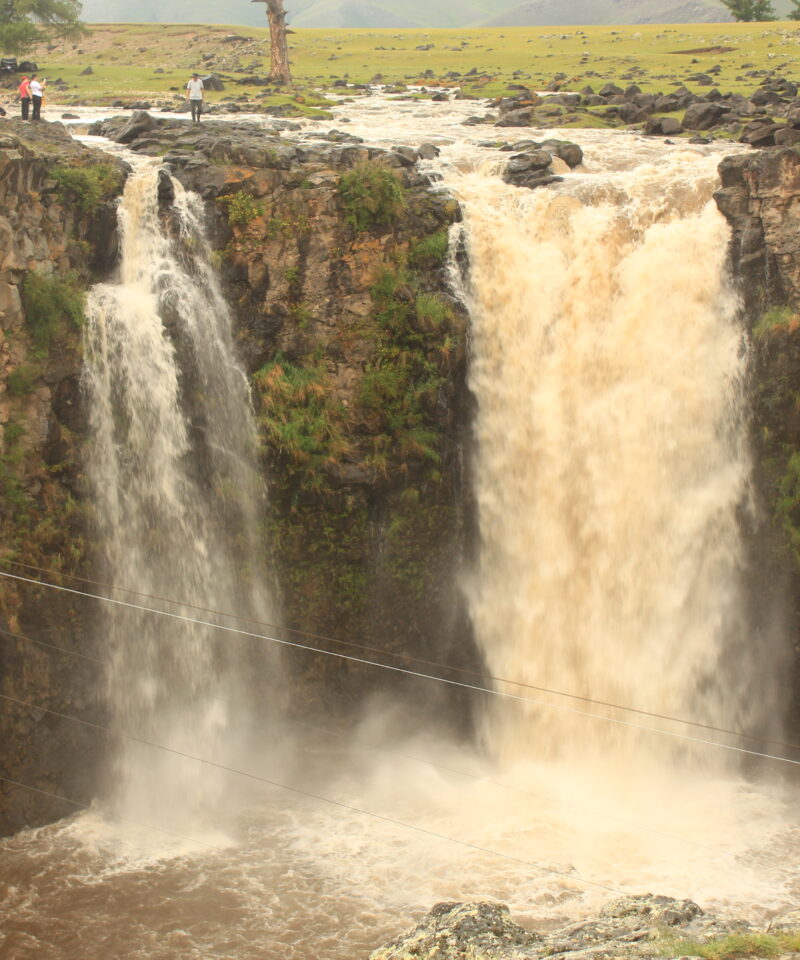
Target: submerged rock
533,167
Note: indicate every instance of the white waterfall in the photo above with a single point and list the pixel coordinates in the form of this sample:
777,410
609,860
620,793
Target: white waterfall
611,460
178,506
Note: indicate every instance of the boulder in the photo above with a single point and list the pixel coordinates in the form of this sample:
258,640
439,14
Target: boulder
663,127
762,135
516,118
454,931
612,90
787,137
213,82
565,150
531,169
524,162
656,910
427,151
629,112
766,98
703,116
141,122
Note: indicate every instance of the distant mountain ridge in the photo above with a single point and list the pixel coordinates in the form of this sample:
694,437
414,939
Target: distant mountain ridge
415,13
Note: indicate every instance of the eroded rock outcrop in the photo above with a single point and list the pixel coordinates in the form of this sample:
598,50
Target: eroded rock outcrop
760,197
333,258
642,926
57,234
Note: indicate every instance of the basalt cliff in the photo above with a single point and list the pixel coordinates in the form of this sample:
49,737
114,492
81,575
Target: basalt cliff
334,260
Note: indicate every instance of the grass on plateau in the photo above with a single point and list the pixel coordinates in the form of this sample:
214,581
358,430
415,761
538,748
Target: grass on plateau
149,60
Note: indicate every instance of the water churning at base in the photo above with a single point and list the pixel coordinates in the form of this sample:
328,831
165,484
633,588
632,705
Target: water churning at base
611,457
178,504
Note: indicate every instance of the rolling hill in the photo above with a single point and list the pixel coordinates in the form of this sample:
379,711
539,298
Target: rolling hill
415,13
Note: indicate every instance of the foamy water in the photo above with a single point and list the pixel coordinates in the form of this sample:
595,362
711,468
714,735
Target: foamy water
607,367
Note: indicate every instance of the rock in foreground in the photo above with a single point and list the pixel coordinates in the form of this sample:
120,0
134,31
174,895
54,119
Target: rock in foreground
643,926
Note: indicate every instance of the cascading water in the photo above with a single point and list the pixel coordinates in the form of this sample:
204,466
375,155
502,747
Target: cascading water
177,494
610,466
611,460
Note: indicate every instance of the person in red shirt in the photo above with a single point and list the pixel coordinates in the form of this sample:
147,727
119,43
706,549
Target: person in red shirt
25,97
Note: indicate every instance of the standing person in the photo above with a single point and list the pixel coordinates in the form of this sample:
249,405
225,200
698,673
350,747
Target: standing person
25,97
37,92
194,91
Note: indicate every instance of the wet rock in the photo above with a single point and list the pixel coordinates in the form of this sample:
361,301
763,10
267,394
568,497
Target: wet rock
535,160
626,928
455,931
565,150
166,190
427,151
516,118
532,169
406,156
141,122
657,910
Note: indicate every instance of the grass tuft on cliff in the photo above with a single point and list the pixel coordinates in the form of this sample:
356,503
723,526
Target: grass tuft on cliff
87,186
53,305
241,207
774,319
372,195
300,418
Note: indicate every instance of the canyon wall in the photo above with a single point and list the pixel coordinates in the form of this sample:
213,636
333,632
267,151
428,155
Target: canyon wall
760,197
334,261
57,235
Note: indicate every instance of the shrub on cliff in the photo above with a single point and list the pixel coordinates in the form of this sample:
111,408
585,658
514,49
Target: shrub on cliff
372,195
300,418
88,187
241,207
52,305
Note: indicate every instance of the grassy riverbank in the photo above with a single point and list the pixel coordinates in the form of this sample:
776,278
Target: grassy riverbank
148,60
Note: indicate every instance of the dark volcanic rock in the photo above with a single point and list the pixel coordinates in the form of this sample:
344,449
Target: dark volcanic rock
516,118
703,116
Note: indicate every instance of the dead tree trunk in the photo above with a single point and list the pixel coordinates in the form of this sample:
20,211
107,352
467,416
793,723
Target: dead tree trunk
276,15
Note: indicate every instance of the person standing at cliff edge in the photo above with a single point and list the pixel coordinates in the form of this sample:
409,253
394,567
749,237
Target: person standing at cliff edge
194,91
37,92
25,97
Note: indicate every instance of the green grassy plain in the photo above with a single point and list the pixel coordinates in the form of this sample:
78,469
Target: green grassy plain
124,58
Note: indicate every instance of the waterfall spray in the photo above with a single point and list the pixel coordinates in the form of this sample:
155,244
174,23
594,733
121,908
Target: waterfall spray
178,503
612,458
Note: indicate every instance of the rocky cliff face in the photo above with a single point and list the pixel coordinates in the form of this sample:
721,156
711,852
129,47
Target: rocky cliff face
333,258
760,197
57,227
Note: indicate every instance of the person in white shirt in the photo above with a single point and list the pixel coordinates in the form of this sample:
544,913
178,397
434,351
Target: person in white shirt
194,91
37,93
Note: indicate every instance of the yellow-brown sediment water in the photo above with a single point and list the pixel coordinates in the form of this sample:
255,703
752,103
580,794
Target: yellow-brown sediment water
611,469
